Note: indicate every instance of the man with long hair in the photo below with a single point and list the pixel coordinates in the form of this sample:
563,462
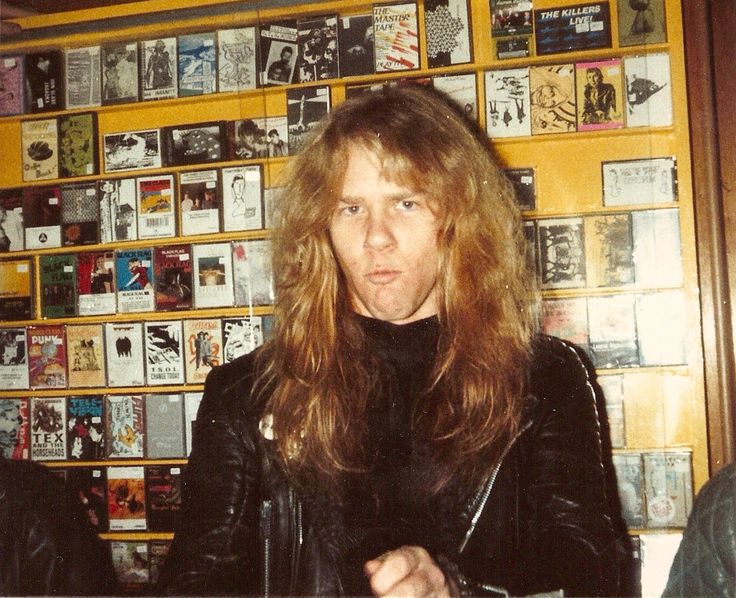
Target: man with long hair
406,431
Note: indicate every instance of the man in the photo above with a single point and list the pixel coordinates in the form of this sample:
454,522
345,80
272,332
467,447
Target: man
279,71
405,431
599,104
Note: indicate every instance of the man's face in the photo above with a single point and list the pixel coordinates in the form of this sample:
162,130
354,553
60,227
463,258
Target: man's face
594,78
385,240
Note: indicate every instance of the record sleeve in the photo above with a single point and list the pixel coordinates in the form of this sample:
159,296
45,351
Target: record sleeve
135,280
124,354
78,144
661,319
126,498
318,52
40,149
237,68
42,216
12,228
90,485
396,37
80,208
306,106
130,561
668,488
648,91
85,428
156,216
277,136
197,64
200,203
613,392
247,139
12,96
252,272
16,289
562,252
240,336
507,103
85,355
118,210
600,94
48,424
133,150
612,324
96,283
15,439
449,33
194,144
164,426
82,82
279,51
641,23
120,72
13,360
164,353
47,356
159,69
44,81
572,28
552,99
567,318
355,44
511,18
645,181
58,285
462,90
242,201
124,426
213,275
173,277
657,248
191,406
609,250
202,348
523,182
629,475
163,493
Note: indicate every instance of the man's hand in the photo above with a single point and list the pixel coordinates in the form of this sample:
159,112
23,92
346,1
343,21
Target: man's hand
406,571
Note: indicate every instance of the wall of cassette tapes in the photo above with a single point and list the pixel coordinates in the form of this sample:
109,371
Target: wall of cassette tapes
142,147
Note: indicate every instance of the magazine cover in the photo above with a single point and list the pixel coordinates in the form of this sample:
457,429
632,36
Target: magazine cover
396,38
16,289
164,426
42,216
80,210
523,181
134,269
119,73
156,206
552,99
172,266
44,81
641,22
614,342
613,392
12,228
194,144
567,318
668,488
96,283
599,95
118,211
609,250
242,202
124,426
13,359
279,50
48,424
661,320
12,96
448,30
572,28
648,91
507,103
133,150
246,139
462,90
85,428
191,406
649,180
124,354
58,285
130,561
163,492
90,485
237,68
197,64
355,44
47,356
318,54
305,107
213,275
159,69
15,439
629,475
78,144
85,355
126,498
252,272
240,336
164,353
82,81
202,348
657,242
562,252
40,149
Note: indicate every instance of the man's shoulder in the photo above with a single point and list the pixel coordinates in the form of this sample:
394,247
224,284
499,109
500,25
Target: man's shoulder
558,365
229,386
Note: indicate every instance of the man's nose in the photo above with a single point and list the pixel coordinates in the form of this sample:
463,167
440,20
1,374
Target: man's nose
379,233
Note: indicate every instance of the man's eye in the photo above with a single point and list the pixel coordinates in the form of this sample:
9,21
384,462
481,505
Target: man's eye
407,204
350,210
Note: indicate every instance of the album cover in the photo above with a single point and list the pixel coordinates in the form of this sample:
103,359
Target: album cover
237,68
242,202
13,359
158,551
83,83
629,475
511,18
159,68
661,320
47,356
194,144
12,97
118,210
645,181
305,107
253,272
507,103
120,72
202,348
191,406
96,283
16,289
355,44
572,28
318,52
648,91
124,426
12,228
240,335
78,144
641,22
124,354
462,90
163,493
200,200
246,139
80,214
90,485
522,180
197,64
613,391
657,248
85,428
396,38
156,217
133,150
135,280
15,414
48,425
599,95
562,252
668,488
279,51
270,200
612,326
277,136
449,33
213,275
164,353
44,81
567,318
126,498
552,99
58,273
130,561
172,267
609,250
42,216
164,426
40,149
511,47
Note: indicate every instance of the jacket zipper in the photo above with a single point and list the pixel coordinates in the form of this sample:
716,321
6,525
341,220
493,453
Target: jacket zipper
266,510
295,508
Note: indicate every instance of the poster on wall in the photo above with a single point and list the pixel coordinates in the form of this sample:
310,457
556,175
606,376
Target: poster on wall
572,28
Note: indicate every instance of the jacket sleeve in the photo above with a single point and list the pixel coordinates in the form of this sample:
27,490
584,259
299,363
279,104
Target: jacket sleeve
214,548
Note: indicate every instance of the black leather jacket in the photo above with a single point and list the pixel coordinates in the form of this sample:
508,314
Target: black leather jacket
541,522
